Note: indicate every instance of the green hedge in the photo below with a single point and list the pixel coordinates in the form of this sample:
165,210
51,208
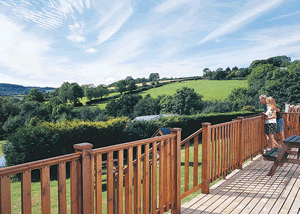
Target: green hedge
46,139
40,140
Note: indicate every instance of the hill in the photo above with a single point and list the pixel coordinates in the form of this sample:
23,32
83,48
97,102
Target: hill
7,89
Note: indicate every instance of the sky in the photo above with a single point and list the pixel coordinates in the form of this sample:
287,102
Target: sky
48,42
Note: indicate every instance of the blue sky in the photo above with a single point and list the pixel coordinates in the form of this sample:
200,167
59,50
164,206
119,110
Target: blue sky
48,42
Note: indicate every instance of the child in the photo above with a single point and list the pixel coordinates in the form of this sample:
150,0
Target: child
270,122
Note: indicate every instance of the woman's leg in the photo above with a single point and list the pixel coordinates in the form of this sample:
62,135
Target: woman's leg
273,141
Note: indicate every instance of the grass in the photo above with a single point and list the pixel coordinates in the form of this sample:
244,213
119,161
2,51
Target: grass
211,90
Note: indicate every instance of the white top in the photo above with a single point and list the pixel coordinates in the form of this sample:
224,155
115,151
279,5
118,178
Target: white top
270,113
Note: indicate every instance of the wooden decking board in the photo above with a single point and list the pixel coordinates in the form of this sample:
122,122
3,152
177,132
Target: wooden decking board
251,191
236,178
264,191
217,206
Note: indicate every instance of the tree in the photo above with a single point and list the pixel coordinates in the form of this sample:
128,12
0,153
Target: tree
147,106
102,91
35,95
64,91
184,101
220,74
131,85
128,79
154,77
124,106
75,93
207,73
121,86
239,98
89,91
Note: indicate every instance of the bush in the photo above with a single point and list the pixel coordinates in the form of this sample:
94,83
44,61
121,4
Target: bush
40,140
249,108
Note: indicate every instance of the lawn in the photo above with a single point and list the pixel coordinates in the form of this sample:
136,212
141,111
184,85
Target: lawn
36,189
210,89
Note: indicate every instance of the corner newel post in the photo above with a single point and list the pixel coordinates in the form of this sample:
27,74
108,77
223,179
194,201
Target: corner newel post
206,140
240,143
176,205
86,179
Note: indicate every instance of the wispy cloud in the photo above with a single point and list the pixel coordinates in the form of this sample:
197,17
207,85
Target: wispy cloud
170,5
76,32
113,21
241,19
285,16
47,14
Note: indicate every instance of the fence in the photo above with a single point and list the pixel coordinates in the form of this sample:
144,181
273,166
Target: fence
144,176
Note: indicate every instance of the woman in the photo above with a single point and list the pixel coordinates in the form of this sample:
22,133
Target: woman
270,122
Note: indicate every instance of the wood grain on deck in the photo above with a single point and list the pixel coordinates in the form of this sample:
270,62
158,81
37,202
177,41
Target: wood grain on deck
251,191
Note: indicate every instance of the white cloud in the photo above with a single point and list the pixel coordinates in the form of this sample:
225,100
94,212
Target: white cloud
171,5
113,21
241,19
110,79
285,16
91,50
76,32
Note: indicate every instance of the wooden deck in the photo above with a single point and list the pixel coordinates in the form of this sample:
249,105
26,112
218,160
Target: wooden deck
251,191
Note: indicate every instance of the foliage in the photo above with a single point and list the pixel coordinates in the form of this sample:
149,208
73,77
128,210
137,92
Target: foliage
121,86
124,106
89,91
217,106
153,77
131,85
147,106
35,95
70,92
239,98
89,114
101,91
184,101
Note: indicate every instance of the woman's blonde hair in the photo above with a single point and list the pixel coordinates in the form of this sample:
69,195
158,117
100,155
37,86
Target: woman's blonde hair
271,102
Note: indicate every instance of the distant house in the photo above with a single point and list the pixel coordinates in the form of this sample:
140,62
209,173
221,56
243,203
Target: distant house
152,117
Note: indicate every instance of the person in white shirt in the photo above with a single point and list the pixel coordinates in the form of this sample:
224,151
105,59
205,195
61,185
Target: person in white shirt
270,123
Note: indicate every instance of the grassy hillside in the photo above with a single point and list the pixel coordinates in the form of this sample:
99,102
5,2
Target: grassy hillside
211,90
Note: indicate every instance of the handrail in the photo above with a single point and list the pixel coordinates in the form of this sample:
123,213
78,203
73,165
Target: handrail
191,136
131,144
223,124
38,164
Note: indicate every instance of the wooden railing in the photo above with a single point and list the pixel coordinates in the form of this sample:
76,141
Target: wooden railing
144,176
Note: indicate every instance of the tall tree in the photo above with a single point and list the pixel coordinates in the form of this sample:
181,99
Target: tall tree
121,86
89,91
131,85
102,91
35,95
154,77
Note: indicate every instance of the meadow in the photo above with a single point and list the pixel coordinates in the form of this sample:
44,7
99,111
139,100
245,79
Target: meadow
210,89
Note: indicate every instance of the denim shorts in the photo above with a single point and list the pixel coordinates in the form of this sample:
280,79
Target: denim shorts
280,125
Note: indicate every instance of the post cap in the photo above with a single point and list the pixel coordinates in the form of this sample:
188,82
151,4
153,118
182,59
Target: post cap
206,124
83,146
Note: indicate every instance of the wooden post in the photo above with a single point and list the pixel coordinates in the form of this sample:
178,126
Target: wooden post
205,157
240,143
86,180
175,209
262,136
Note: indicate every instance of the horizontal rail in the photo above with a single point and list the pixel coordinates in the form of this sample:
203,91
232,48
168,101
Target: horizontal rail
38,164
252,118
224,124
131,144
191,136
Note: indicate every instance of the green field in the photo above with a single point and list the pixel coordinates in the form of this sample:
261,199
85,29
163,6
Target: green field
210,89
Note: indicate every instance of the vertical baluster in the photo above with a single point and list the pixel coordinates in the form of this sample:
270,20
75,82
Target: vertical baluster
5,194
26,192
62,193
110,183
146,180
98,183
168,173
45,190
196,147
161,176
73,185
129,180
218,132
138,178
186,166
154,177
120,182
213,155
